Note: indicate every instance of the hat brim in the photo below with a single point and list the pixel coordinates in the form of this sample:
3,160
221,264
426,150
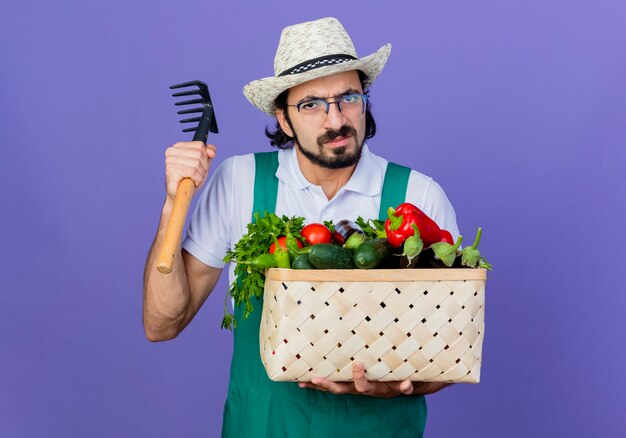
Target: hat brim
263,92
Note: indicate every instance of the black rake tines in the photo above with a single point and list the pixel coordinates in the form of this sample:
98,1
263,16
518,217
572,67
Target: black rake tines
206,121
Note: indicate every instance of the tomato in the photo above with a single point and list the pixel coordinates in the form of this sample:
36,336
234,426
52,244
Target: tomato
316,233
282,241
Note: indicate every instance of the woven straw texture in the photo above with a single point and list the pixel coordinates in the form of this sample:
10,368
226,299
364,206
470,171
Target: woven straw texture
422,325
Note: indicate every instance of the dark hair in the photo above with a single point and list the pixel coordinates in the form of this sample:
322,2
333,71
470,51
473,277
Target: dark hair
281,140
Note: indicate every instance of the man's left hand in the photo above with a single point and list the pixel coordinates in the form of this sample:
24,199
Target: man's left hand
360,385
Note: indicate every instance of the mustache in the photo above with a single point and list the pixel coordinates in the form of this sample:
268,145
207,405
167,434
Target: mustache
330,135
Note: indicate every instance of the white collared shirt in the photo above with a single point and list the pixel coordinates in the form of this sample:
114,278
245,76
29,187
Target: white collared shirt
225,205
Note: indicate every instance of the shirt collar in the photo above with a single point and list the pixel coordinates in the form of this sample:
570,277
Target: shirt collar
366,179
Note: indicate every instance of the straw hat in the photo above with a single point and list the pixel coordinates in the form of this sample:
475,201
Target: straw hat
308,51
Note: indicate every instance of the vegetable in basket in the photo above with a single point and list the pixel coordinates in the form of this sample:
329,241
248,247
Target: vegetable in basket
471,257
261,262
281,255
371,254
330,256
354,241
282,242
316,233
412,247
249,279
302,262
344,229
446,236
398,225
446,252
373,228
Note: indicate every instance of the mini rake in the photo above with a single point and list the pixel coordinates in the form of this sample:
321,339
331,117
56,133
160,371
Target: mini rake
206,122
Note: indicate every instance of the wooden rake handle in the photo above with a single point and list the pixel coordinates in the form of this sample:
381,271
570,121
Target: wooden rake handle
173,233
186,187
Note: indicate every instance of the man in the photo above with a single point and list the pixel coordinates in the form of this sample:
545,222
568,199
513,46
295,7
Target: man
325,171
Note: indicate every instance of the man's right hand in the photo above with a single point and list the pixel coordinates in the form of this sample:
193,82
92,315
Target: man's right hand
187,160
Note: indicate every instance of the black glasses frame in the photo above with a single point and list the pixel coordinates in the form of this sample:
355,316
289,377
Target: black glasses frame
365,98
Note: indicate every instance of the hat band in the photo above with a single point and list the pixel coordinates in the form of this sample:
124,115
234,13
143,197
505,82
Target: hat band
322,61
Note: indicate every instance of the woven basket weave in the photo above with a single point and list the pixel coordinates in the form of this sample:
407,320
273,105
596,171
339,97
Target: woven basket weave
417,324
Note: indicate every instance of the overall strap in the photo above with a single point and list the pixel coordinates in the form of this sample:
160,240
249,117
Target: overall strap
265,182
394,188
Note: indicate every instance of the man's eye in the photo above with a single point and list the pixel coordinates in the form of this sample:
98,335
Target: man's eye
311,105
351,98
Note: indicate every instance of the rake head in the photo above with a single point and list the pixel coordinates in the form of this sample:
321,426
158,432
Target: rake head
206,121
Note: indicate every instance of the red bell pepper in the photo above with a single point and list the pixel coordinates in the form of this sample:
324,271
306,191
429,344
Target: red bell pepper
446,236
429,230
406,206
399,226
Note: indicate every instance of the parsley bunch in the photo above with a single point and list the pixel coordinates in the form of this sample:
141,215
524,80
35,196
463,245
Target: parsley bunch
249,281
373,228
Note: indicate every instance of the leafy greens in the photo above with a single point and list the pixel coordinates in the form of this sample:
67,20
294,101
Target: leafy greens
249,281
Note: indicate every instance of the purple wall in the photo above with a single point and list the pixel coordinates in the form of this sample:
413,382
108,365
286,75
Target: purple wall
517,108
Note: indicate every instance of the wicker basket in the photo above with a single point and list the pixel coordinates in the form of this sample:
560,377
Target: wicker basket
418,324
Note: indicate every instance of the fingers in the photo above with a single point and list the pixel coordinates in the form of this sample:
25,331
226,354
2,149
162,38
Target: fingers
190,154
211,151
322,384
174,173
361,384
406,387
377,389
395,388
187,160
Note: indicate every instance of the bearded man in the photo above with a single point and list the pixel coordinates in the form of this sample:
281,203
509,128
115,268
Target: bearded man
323,170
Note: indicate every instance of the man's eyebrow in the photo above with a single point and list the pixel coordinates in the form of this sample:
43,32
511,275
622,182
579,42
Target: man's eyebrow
350,91
313,97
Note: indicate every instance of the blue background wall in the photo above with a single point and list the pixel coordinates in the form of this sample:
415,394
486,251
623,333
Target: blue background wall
517,108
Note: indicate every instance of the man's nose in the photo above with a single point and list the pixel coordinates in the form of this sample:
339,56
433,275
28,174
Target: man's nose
335,118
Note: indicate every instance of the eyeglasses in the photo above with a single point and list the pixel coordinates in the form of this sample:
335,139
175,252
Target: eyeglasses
315,111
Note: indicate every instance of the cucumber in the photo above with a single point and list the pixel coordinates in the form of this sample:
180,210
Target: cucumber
302,262
329,256
371,253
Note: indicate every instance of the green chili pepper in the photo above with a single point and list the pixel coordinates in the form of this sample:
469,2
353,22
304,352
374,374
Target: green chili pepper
292,244
446,252
261,262
281,255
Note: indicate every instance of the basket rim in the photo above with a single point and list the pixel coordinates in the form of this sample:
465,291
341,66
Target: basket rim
374,275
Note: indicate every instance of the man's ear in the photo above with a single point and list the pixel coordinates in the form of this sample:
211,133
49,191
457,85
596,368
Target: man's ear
282,121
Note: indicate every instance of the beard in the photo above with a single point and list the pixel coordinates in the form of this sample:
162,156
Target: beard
340,157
